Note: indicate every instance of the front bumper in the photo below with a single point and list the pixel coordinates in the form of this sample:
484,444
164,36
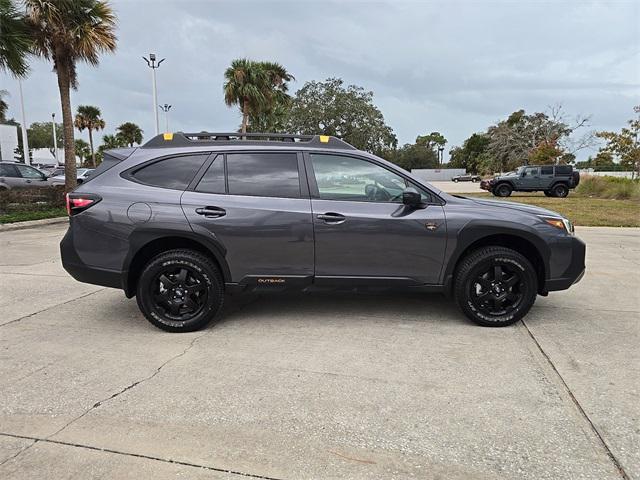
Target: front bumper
486,185
574,271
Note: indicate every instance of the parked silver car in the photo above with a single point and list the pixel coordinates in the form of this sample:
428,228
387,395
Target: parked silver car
19,175
82,174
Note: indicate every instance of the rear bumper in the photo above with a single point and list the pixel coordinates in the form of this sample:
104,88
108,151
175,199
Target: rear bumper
574,272
83,272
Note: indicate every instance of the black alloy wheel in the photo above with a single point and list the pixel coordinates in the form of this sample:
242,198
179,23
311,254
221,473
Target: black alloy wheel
180,290
560,190
504,190
495,286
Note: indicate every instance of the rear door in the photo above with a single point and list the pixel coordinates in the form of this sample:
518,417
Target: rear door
546,177
364,234
256,206
10,176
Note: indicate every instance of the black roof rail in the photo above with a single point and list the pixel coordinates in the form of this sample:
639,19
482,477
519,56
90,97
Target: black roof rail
181,139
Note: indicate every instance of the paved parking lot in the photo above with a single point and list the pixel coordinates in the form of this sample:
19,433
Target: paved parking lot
318,386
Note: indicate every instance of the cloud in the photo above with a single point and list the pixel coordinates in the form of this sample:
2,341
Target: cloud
452,66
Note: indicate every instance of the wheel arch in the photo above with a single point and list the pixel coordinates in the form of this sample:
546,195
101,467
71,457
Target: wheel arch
478,236
144,245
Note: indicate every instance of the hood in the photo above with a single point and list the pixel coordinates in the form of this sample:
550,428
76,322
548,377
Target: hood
521,207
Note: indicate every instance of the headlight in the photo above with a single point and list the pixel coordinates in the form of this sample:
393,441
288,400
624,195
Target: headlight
560,223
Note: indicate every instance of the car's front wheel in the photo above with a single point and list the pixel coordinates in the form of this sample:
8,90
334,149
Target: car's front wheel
503,190
495,286
180,290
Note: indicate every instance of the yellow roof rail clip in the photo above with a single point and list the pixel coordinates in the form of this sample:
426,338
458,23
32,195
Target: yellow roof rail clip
324,138
168,136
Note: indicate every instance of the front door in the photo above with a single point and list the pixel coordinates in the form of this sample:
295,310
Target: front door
530,179
363,232
256,206
31,177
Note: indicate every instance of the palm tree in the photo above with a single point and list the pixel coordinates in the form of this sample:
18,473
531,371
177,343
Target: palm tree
4,106
68,31
83,151
88,117
130,133
244,86
256,87
15,41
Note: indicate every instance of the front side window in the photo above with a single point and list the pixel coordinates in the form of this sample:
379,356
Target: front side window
353,179
29,172
263,174
530,171
174,172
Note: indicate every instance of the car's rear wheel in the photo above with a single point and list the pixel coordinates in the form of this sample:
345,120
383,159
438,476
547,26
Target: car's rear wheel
180,290
495,286
503,190
560,190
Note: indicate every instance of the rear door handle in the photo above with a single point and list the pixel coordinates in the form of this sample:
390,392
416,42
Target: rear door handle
211,212
330,217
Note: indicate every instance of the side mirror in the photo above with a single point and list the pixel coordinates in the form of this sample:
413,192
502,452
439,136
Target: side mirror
411,197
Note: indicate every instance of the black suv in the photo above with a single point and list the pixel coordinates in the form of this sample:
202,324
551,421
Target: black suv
553,180
187,217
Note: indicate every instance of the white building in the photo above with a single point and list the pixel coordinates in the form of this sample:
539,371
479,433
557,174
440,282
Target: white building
45,156
8,142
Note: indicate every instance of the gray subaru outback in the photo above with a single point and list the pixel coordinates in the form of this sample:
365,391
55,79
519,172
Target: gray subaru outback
187,218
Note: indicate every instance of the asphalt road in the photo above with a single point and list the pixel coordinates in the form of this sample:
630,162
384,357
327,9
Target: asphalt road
318,386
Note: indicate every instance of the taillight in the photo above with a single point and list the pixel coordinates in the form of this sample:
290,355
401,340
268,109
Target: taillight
79,202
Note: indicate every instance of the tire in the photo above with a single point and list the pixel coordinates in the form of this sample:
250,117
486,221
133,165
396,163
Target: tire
547,193
560,190
455,180
493,300
180,290
503,190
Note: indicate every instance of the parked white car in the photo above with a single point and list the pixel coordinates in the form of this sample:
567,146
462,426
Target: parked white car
82,174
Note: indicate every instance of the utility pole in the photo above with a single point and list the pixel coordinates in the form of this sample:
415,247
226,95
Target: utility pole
25,140
151,63
55,139
165,108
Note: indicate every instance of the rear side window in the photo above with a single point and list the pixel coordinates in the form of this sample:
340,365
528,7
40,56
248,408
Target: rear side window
546,170
174,172
213,180
263,174
8,171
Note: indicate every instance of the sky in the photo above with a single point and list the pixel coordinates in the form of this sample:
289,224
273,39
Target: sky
450,66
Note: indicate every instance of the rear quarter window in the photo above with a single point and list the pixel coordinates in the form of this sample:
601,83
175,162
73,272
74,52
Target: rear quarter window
563,169
173,172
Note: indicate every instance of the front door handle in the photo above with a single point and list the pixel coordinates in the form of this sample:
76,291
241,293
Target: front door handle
211,212
331,217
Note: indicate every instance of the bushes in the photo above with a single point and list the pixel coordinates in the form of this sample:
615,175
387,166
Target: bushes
609,187
31,199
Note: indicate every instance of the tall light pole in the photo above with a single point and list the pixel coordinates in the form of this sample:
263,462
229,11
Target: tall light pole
55,139
25,139
440,154
165,108
151,63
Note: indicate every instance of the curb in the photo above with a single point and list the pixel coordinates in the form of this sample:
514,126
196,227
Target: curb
7,227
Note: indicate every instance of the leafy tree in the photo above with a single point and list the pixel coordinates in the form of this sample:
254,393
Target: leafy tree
112,141
472,152
129,133
83,151
411,156
41,135
330,108
257,88
68,31
624,145
15,39
4,106
88,117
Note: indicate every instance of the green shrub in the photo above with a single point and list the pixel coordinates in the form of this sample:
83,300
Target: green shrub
31,199
609,187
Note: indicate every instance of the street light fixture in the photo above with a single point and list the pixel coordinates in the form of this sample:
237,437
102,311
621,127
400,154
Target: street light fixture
151,63
165,108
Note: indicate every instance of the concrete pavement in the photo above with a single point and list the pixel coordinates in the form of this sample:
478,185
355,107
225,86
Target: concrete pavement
318,386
